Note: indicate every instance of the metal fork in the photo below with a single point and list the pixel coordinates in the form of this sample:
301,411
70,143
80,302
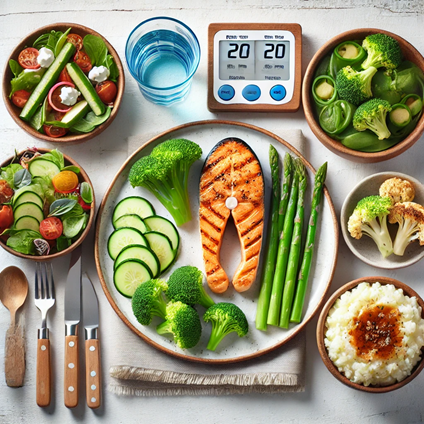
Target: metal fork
44,300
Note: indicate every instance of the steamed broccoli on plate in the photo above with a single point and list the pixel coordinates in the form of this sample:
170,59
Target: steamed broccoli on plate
372,116
370,218
165,174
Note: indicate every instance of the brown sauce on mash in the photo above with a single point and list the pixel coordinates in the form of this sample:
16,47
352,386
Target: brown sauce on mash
376,333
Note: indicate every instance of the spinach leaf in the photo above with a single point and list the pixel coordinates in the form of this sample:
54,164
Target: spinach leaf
61,42
23,241
62,243
96,49
36,120
95,120
73,225
54,37
15,67
41,41
61,206
71,168
8,173
82,126
22,178
86,193
26,80
113,69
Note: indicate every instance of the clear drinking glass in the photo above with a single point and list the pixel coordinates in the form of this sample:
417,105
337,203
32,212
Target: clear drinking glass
162,55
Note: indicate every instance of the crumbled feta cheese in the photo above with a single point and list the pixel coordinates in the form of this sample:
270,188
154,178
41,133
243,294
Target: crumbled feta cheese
69,95
99,73
45,57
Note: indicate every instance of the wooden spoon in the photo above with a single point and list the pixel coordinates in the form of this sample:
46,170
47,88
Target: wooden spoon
13,292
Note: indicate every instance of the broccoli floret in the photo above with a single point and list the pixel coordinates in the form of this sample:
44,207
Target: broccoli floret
165,174
148,301
410,217
186,285
370,218
398,190
382,50
372,116
355,86
225,318
183,322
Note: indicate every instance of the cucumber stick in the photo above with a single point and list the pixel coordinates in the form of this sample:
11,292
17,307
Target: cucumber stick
73,116
47,81
87,90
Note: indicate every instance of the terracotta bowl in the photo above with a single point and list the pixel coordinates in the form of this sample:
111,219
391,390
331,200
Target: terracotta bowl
15,111
82,176
321,328
409,53
365,248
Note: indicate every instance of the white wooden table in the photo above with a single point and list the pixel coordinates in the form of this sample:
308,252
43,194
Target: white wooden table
325,399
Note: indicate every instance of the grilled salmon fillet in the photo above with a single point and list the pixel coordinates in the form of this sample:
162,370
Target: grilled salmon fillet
231,183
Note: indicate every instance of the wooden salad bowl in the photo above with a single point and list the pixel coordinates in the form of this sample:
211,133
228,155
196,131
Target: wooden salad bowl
82,176
409,53
321,329
15,111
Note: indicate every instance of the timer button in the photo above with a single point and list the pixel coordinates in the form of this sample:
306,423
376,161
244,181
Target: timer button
226,92
278,92
251,92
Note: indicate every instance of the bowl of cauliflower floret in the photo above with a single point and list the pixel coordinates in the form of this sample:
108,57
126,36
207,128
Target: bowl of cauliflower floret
382,220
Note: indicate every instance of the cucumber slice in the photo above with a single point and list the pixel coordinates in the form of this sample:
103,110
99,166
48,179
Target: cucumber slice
164,226
161,245
87,90
28,209
133,205
43,168
131,220
47,81
123,237
27,223
28,196
73,116
129,275
143,253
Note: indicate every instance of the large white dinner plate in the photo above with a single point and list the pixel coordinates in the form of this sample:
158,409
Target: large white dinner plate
232,348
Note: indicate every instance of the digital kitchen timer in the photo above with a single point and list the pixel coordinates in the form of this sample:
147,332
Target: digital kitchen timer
254,67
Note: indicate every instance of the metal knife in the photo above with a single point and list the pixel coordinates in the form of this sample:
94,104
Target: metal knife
90,308
72,320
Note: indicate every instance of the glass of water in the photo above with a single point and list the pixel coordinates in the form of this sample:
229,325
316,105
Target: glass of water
162,55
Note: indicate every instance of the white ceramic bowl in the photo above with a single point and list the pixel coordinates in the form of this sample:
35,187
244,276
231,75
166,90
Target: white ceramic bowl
365,248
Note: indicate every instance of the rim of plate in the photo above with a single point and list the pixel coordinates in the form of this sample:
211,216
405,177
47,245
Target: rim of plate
161,348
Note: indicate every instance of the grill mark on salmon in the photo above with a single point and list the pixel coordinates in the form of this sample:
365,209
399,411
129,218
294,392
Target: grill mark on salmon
231,170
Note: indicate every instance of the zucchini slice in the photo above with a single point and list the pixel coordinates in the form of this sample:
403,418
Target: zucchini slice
143,253
131,220
133,205
123,237
161,245
43,168
129,275
164,226
28,209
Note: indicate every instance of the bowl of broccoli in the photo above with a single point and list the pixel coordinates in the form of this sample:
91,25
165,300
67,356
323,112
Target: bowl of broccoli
363,95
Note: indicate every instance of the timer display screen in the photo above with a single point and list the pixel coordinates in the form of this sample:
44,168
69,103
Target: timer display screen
257,60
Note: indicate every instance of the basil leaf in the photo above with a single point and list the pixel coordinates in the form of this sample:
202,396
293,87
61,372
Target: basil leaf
23,241
113,69
15,67
61,42
41,41
71,168
8,173
62,243
86,193
26,80
96,49
93,119
22,178
61,206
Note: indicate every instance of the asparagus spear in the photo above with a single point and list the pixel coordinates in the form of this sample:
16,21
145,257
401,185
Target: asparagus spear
288,173
283,254
273,235
305,268
295,247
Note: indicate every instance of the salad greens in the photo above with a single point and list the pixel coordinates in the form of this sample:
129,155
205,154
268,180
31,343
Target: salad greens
96,49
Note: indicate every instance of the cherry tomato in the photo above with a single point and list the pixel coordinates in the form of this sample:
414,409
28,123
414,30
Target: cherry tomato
6,217
64,76
28,58
83,61
76,40
51,228
107,91
6,192
53,131
20,97
65,182
84,205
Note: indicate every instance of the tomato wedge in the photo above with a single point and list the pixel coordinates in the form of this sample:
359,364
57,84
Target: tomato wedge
51,228
64,76
83,61
53,131
20,97
107,91
54,97
28,58
76,40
